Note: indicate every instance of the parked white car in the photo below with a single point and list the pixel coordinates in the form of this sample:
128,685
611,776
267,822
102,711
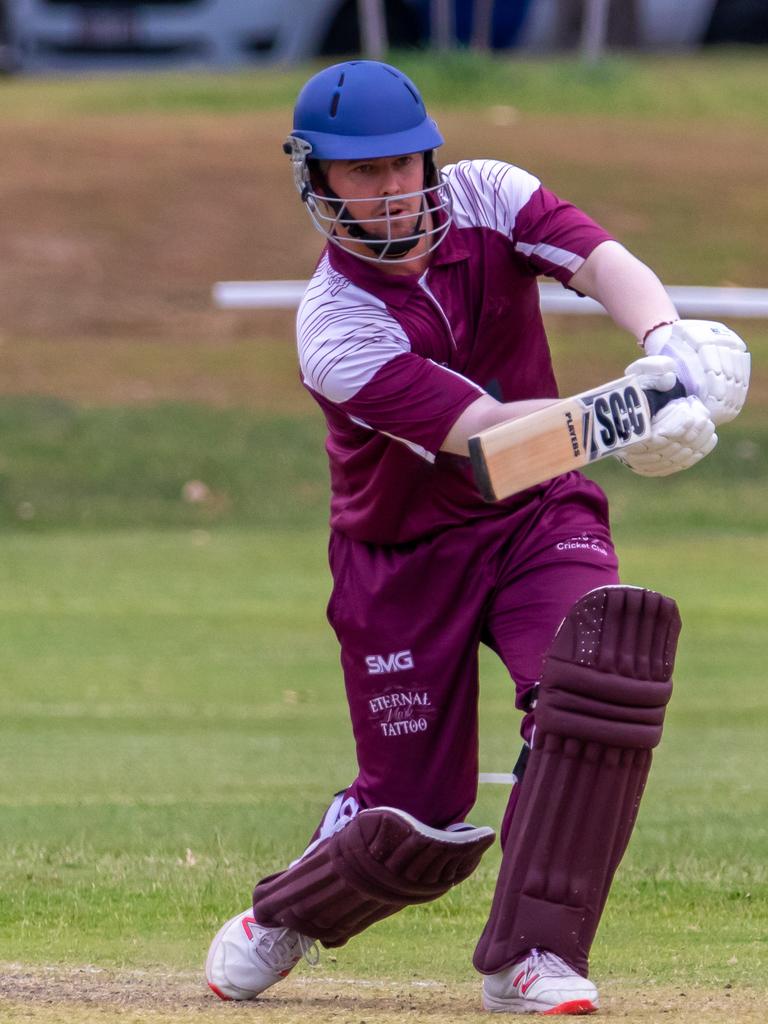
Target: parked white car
51,34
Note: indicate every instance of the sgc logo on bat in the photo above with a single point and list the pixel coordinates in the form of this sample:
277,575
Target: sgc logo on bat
619,419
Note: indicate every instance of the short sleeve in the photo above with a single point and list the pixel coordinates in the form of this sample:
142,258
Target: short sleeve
355,355
553,236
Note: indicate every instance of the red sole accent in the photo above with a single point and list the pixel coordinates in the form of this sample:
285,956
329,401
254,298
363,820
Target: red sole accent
217,992
574,1007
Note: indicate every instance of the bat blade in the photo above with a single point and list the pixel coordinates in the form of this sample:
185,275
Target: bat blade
569,434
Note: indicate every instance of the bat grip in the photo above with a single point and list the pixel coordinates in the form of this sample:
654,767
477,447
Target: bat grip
658,399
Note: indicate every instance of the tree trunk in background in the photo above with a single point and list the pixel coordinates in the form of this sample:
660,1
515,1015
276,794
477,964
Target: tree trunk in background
482,24
594,30
441,20
373,28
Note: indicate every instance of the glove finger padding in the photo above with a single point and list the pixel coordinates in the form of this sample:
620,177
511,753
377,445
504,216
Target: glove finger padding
683,433
657,372
726,373
711,360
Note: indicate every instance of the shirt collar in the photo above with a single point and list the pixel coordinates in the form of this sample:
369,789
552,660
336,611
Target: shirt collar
394,289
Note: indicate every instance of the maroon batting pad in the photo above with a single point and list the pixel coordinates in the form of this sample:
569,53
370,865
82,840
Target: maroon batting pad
382,861
600,711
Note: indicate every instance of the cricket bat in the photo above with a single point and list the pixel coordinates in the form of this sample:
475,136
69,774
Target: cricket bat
568,434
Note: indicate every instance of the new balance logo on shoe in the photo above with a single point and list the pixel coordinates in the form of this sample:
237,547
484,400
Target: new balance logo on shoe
524,980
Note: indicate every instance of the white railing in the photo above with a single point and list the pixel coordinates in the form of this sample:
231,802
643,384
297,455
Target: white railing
500,778
690,300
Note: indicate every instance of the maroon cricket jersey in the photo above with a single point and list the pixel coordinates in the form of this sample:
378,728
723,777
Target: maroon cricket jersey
394,360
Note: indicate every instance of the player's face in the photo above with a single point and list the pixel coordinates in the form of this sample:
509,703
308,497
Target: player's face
368,188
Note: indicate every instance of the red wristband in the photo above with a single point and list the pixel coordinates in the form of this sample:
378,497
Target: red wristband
662,323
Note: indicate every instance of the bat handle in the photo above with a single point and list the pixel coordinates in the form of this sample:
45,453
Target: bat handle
658,399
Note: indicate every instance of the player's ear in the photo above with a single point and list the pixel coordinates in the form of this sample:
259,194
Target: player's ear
430,170
318,176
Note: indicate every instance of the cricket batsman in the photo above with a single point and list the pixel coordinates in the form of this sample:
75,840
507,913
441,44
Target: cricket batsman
421,327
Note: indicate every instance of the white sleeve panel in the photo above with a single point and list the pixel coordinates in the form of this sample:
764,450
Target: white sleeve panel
489,193
552,254
345,335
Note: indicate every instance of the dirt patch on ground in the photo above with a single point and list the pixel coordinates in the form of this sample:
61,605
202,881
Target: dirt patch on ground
81,995
115,228
119,226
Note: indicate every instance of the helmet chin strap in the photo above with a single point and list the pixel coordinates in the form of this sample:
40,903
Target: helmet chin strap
386,248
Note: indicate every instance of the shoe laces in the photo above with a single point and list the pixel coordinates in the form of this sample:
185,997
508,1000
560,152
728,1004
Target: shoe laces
549,964
279,945
309,950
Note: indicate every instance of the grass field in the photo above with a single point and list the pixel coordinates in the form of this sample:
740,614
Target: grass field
169,733
173,703
720,86
172,721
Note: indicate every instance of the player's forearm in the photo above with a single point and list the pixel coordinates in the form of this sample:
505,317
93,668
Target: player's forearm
483,413
632,294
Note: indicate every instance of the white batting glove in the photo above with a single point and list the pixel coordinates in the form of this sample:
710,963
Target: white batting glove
683,433
657,372
712,363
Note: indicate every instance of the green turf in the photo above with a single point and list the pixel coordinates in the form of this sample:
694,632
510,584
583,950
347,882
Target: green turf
723,85
172,723
95,468
62,465
171,715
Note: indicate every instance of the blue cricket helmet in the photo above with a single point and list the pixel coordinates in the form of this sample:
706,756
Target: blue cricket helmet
360,109
365,110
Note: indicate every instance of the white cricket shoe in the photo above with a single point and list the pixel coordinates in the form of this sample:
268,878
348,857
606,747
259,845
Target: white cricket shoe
541,983
245,959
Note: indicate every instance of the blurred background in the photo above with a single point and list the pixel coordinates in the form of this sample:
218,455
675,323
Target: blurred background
136,173
169,683
46,34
